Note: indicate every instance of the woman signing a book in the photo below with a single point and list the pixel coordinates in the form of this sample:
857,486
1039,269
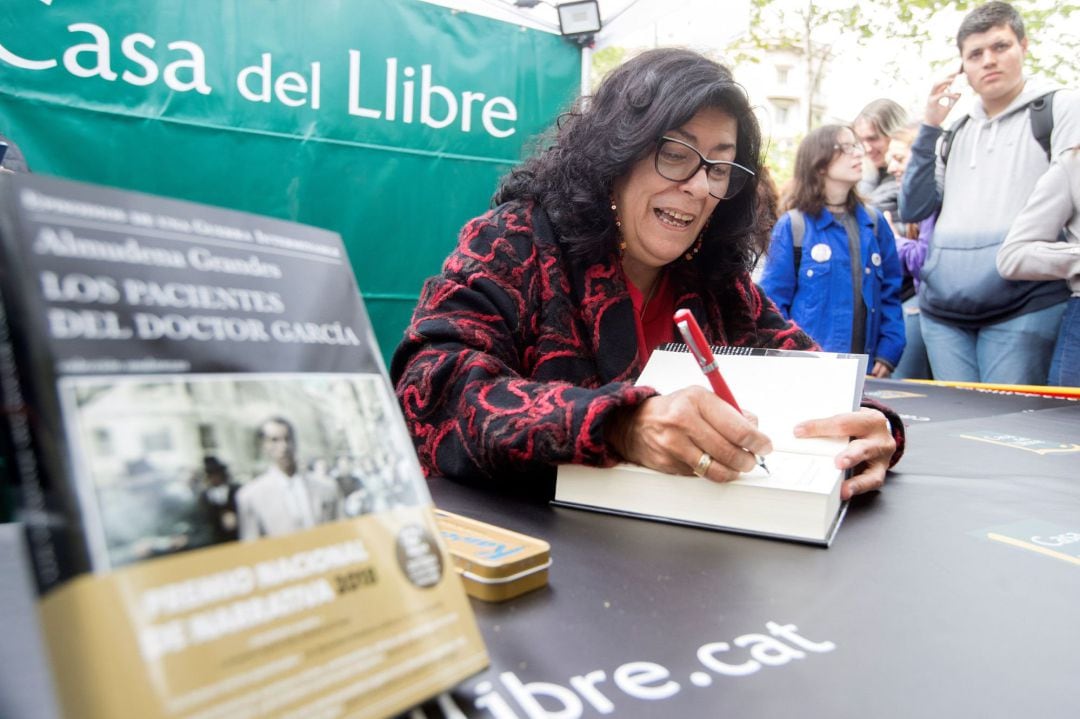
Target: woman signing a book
522,354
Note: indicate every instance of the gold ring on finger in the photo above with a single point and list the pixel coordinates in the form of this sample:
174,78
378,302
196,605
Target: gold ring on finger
703,464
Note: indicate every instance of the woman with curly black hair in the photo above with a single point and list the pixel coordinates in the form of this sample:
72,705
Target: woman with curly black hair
522,354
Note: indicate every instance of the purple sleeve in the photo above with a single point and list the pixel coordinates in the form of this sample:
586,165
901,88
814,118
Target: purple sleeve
913,252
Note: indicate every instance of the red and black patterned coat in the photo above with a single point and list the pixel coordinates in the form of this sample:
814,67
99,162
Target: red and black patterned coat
517,353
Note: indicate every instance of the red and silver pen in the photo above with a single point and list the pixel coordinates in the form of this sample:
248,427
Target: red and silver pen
695,340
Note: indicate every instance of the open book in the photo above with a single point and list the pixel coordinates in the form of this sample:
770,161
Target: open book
798,499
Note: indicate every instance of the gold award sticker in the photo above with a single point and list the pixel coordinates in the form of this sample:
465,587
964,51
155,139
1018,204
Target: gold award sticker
821,252
418,556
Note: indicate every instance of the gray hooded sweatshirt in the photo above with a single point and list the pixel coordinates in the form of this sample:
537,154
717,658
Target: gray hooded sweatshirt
1037,247
993,167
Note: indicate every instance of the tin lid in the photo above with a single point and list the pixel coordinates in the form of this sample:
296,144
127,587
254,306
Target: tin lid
489,554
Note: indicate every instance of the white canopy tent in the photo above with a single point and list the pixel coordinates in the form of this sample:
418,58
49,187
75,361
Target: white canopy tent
705,24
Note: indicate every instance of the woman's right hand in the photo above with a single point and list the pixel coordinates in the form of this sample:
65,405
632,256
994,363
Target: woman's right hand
672,433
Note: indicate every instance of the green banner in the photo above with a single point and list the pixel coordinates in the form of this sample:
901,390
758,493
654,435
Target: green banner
387,122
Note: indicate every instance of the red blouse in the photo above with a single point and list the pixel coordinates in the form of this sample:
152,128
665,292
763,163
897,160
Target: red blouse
653,321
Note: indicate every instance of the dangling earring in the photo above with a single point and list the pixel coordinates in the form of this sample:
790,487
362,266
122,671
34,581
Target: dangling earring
696,247
618,226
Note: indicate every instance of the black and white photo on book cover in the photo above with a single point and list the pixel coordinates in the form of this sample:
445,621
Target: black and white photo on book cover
177,463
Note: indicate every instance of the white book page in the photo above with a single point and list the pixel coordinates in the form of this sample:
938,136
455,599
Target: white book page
781,391
801,472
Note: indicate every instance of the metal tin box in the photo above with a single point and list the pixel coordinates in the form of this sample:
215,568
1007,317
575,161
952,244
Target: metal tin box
495,564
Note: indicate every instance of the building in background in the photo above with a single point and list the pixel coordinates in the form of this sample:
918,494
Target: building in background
780,85
776,78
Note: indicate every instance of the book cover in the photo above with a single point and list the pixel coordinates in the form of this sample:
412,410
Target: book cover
222,505
798,499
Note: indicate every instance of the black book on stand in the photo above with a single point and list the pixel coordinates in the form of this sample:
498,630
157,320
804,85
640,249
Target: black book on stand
186,389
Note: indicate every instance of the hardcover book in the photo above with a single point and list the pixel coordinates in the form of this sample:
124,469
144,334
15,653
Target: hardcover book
798,498
223,507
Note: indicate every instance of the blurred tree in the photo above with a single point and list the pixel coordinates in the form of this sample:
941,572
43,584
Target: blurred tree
818,30
930,26
806,28
780,157
603,62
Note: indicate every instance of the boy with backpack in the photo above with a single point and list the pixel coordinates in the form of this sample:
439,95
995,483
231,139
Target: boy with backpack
978,326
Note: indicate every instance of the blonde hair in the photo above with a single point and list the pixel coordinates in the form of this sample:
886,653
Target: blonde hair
906,134
887,116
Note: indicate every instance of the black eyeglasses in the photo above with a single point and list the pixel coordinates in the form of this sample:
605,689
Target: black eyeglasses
679,161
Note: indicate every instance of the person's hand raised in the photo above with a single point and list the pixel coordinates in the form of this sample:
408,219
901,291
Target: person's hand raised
941,101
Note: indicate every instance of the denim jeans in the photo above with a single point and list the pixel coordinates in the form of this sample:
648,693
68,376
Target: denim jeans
913,362
1016,351
1065,367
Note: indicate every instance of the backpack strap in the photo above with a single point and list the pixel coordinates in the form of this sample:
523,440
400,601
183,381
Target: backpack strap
1042,120
947,137
1041,110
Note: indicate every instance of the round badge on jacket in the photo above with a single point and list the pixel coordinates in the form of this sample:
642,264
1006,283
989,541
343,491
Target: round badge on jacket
875,259
821,252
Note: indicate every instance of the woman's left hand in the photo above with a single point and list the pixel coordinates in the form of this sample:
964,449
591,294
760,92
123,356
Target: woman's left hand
868,452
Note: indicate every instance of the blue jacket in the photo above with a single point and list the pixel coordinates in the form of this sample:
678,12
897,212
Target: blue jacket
820,299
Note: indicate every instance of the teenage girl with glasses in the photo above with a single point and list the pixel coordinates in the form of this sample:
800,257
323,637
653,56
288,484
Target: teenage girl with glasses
832,267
